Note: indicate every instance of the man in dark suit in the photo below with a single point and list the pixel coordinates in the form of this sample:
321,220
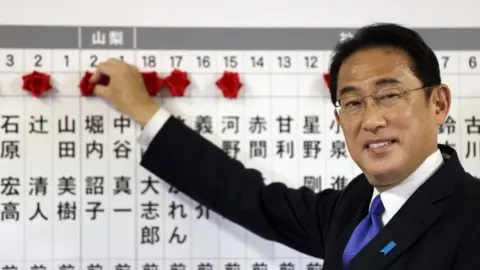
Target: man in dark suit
414,207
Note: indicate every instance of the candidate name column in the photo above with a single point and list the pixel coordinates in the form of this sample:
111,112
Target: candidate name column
340,168
12,155
119,150
66,166
94,165
162,49
151,213
449,61
314,99
65,61
231,129
207,117
285,145
39,168
468,45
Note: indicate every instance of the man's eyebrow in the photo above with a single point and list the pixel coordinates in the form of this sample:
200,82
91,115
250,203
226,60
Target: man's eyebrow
347,89
379,82
385,81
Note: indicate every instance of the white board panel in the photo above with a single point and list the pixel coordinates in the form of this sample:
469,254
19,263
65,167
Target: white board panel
76,160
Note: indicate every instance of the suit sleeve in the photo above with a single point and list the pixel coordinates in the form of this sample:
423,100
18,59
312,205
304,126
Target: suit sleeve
298,218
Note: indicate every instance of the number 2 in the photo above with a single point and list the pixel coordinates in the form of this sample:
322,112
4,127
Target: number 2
93,59
38,60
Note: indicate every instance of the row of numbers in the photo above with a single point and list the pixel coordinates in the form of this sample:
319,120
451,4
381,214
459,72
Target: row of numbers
232,61
247,61
73,61
445,63
38,60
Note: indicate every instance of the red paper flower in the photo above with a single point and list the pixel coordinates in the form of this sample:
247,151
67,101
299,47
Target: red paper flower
86,87
152,82
326,78
230,84
36,83
177,82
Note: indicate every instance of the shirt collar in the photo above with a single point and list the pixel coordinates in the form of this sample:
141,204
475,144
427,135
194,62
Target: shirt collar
394,198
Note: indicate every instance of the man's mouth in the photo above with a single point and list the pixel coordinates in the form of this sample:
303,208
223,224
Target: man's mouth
379,144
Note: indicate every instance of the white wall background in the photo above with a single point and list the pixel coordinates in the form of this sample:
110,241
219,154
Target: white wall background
253,13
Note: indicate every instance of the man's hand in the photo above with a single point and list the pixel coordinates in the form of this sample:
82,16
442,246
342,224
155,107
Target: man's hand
126,91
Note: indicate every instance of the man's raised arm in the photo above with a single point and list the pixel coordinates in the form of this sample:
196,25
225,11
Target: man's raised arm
298,218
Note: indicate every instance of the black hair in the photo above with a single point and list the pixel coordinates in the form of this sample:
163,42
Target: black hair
425,63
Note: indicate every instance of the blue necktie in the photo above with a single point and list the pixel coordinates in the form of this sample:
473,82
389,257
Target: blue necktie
365,231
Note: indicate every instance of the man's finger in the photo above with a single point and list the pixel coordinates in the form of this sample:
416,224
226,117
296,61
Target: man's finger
101,90
104,68
107,68
115,61
95,76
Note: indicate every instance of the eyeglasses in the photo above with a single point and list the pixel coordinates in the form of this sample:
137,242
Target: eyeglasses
387,100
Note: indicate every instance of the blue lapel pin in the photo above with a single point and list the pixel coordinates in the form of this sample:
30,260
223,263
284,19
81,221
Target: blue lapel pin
387,248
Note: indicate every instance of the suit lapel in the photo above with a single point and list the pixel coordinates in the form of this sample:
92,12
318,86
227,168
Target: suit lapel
356,207
416,216
410,223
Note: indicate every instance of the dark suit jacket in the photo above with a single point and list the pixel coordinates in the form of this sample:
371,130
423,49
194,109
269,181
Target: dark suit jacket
437,228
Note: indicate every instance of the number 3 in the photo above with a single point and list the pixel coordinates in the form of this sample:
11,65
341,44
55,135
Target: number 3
10,60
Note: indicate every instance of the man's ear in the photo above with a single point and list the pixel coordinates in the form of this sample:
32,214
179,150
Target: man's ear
442,100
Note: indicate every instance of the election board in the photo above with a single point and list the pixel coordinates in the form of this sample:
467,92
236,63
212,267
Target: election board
73,195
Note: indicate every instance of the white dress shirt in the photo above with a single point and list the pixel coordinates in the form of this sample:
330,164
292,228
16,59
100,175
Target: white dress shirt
153,127
392,199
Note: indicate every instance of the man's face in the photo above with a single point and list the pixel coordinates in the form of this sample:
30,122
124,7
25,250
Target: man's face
410,127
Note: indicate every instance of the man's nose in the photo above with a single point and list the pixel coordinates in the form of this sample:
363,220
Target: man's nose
373,118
